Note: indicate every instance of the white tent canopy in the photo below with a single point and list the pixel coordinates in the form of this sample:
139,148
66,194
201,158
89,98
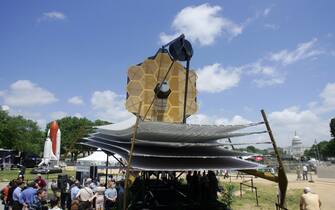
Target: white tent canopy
98,158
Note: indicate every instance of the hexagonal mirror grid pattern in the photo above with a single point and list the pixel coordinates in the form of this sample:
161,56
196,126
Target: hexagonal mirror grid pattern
142,80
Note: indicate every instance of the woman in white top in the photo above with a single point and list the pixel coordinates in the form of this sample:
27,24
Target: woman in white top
54,202
100,197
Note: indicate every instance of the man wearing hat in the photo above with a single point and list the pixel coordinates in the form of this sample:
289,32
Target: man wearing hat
85,195
309,200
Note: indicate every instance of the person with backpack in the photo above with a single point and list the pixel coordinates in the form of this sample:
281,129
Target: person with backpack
12,186
85,196
4,196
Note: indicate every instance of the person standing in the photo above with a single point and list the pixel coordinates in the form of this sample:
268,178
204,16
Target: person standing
309,200
85,196
120,194
54,204
40,181
4,196
73,195
298,173
37,203
28,194
304,172
12,187
100,197
16,195
54,188
110,195
75,189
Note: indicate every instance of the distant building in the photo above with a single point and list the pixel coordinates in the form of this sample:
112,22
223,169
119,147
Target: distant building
296,150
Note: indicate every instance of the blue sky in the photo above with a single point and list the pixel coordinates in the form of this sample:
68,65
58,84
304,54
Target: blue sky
61,58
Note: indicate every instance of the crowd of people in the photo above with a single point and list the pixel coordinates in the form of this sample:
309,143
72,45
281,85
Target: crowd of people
203,187
20,195
93,195
302,171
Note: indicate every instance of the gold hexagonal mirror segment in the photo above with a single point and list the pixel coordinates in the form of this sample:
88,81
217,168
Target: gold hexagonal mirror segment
144,78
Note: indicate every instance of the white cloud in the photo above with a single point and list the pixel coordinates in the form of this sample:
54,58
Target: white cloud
78,115
52,16
267,11
214,78
75,100
283,123
271,26
236,120
267,75
269,81
310,124
34,116
259,68
202,24
200,119
327,99
328,94
267,68
204,119
266,71
42,123
302,51
24,93
307,124
4,107
109,106
58,115
293,116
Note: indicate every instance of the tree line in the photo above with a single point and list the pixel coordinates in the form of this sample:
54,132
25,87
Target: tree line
24,135
324,149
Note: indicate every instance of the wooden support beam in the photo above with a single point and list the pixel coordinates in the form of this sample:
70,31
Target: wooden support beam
261,175
282,178
133,139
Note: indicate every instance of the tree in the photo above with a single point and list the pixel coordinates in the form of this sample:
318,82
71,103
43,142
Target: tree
325,149
20,134
101,122
332,127
73,129
251,149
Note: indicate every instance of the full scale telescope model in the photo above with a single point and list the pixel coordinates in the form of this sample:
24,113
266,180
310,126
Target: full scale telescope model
162,94
157,92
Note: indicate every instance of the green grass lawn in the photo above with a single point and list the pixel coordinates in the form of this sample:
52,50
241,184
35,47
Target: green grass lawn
7,175
267,196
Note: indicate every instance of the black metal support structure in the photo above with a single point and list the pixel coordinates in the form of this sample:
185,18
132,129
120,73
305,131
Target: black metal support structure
106,178
181,49
186,89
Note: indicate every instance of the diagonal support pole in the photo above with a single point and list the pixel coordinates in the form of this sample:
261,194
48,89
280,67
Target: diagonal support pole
186,89
282,178
133,139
